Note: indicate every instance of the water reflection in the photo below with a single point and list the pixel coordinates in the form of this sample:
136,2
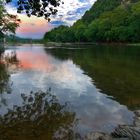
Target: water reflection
114,70
4,77
1,48
7,62
40,117
69,74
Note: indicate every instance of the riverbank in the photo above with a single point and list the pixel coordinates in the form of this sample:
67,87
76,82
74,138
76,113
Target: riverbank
69,44
134,44
122,132
61,44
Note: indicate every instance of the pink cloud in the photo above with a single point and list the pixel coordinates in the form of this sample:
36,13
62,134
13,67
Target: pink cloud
33,27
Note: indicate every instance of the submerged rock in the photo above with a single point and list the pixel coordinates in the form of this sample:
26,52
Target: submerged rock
98,136
137,113
137,121
137,118
122,132
131,132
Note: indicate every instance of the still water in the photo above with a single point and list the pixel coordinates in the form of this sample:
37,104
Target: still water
99,84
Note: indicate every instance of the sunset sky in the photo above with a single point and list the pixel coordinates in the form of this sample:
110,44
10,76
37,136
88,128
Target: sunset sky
34,27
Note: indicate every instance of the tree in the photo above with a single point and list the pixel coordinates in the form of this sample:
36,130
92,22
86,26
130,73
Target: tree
99,7
79,27
118,25
8,22
60,34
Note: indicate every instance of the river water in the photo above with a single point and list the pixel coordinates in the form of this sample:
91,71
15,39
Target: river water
100,84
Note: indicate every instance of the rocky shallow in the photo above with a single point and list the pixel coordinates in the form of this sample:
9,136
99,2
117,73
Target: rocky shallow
122,132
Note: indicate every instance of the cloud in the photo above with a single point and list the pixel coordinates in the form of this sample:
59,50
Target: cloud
33,27
57,23
68,13
73,10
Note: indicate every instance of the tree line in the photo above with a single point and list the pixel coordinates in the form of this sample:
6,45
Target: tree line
106,21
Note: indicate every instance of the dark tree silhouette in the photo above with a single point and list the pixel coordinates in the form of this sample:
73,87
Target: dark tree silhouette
39,8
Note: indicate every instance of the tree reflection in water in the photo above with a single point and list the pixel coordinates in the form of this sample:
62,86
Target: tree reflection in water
7,61
1,47
4,77
11,58
40,117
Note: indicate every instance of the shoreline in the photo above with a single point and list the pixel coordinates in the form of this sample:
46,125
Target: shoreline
60,44
78,44
122,132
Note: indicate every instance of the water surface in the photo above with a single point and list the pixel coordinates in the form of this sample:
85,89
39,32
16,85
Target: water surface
99,83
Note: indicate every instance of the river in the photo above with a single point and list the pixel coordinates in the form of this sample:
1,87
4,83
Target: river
99,84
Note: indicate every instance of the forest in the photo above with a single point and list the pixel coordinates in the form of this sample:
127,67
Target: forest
106,21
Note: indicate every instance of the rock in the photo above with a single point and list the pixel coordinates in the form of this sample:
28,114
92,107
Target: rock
98,136
137,121
124,131
137,113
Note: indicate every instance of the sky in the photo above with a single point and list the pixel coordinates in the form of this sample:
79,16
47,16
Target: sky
35,27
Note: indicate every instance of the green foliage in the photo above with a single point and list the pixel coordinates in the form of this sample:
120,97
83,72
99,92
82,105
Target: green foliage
98,8
60,34
106,21
8,22
79,28
118,25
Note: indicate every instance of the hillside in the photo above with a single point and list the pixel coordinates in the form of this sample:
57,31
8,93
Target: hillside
98,8
101,6
106,21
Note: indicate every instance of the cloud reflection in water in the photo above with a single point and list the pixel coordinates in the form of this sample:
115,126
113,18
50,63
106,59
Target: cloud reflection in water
40,71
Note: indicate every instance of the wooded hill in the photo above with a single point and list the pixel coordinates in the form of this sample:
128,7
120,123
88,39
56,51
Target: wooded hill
106,21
